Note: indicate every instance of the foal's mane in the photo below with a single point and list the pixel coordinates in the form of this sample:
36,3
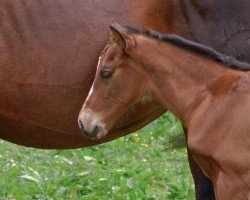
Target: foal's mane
229,61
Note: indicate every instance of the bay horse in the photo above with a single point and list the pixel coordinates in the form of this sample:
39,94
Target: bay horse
47,61
208,91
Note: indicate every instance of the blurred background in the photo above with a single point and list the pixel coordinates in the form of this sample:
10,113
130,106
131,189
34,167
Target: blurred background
148,164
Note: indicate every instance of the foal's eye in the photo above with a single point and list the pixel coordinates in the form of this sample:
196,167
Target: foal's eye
106,74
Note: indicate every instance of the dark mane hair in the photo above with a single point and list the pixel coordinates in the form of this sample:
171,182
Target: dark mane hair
192,46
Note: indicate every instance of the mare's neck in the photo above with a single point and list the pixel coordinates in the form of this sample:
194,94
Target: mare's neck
178,78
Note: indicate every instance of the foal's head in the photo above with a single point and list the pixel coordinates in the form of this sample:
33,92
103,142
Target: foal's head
116,88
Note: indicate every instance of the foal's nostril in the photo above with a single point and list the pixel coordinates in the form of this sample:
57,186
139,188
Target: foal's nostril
81,127
95,131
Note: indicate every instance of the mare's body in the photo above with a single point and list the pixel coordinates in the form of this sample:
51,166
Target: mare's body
48,53
48,58
45,72
203,88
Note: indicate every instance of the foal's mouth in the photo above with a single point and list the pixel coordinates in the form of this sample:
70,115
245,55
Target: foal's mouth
90,126
96,133
92,135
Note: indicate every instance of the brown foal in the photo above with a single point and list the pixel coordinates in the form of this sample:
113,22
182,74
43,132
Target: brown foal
207,91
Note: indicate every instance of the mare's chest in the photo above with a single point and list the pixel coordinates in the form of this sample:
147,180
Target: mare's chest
223,25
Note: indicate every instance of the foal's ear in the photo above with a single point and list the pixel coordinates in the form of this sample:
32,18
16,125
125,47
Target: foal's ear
119,35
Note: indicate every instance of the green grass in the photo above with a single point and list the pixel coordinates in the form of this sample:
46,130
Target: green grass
142,165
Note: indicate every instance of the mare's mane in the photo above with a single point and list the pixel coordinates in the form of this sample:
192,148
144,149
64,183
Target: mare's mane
192,46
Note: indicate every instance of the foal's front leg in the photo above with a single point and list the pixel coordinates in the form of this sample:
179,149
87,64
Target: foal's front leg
231,186
204,188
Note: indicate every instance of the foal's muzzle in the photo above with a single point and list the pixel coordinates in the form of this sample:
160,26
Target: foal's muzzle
90,126
91,135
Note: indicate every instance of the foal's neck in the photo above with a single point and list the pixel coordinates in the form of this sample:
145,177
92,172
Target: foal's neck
178,78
